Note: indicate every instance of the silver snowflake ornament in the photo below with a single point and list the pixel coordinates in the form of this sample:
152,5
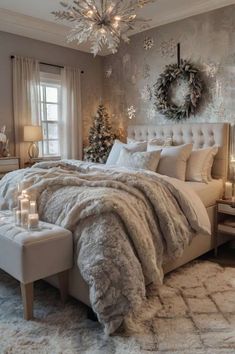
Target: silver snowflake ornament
148,43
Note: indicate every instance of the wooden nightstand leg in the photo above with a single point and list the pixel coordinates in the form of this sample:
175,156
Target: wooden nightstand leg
27,298
63,285
216,231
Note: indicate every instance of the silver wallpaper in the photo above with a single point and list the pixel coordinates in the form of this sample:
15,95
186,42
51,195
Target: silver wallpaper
208,40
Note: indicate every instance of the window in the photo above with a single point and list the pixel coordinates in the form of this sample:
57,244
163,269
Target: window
50,114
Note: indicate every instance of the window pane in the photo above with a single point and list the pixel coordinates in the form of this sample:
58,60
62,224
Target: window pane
45,148
52,94
53,148
52,112
44,131
52,131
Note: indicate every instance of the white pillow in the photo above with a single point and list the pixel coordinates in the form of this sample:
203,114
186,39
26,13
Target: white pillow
173,161
200,164
162,142
144,160
117,147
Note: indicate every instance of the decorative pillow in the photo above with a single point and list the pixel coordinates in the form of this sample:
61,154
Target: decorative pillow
167,141
117,147
200,164
210,160
144,160
173,161
162,142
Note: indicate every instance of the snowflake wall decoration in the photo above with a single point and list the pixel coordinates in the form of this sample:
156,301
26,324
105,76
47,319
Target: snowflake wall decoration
148,43
146,93
108,72
131,111
211,69
168,48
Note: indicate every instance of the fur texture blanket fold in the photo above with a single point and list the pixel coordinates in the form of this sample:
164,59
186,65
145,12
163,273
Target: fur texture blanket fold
126,224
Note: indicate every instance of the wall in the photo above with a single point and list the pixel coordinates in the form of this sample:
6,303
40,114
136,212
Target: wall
92,79
208,40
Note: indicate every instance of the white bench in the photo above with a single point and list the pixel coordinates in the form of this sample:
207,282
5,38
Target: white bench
32,255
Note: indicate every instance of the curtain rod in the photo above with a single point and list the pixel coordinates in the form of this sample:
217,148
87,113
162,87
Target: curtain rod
54,65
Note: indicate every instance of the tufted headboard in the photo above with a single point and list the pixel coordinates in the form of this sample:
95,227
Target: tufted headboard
201,135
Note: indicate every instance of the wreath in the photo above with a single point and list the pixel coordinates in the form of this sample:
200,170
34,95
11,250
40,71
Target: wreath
173,72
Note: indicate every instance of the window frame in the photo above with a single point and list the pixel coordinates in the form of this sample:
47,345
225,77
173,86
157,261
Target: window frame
49,80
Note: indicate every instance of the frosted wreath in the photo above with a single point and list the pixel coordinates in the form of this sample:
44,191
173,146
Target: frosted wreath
163,102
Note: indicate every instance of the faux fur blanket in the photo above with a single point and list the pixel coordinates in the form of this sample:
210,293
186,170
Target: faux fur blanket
126,224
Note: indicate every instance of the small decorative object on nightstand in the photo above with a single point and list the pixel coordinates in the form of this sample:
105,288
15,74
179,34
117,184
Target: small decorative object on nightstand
224,219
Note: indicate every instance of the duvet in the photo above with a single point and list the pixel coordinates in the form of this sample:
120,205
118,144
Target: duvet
126,224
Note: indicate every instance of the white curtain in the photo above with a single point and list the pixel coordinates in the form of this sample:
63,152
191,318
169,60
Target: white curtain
71,126
26,100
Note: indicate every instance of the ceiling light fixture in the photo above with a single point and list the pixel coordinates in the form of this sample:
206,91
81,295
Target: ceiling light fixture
102,22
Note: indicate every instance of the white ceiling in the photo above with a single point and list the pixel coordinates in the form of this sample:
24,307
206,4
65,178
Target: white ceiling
33,18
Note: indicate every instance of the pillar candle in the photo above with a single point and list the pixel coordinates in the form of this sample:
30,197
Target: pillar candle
24,204
33,221
228,190
18,218
24,218
32,207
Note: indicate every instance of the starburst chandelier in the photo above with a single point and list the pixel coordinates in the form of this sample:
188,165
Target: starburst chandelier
102,22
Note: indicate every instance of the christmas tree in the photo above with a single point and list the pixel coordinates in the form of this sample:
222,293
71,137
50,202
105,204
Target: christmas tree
101,138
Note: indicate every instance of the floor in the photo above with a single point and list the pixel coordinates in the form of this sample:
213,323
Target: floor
193,313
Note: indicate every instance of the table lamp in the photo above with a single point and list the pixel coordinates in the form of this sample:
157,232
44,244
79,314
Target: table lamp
33,134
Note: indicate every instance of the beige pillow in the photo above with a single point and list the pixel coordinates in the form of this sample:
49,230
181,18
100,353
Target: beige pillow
162,142
200,164
143,160
173,161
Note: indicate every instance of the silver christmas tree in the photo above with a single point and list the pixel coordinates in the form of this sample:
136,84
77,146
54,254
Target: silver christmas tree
101,138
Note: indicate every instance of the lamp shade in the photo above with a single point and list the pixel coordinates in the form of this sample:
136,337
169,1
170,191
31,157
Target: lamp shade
32,133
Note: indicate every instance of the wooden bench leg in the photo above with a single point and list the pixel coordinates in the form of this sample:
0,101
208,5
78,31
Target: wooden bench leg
63,285
27,298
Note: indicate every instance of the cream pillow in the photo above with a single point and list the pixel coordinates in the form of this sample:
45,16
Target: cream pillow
200,164
162,142
117,147
143,160
173,161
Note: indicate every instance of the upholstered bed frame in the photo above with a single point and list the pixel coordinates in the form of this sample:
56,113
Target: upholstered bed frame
201,135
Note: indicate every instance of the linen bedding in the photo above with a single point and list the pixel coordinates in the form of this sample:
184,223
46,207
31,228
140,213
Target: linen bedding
126,224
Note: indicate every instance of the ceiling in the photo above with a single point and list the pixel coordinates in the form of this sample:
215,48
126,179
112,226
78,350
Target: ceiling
33,19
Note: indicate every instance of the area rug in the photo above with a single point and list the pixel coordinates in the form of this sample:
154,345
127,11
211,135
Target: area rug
193,313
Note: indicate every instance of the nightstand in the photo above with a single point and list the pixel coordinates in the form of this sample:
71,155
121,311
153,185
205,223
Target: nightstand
8,164
224,220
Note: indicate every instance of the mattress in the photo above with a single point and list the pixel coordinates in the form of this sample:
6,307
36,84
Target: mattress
208,192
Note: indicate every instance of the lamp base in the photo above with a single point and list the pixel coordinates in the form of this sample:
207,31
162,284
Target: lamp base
33,150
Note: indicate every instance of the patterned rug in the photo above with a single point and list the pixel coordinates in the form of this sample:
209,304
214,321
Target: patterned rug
194,313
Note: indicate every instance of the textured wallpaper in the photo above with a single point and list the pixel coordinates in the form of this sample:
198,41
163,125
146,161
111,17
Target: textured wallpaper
208,40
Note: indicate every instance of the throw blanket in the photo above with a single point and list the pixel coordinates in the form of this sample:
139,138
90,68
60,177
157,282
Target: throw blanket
126,224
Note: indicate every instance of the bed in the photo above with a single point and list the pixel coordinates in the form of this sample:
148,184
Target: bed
201,135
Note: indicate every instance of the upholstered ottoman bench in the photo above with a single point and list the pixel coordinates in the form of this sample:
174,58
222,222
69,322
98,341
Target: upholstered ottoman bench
32,255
